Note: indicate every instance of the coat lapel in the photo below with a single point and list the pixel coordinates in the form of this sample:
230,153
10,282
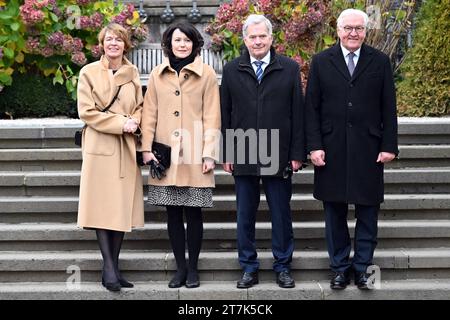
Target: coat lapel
364,60
338,61
124,75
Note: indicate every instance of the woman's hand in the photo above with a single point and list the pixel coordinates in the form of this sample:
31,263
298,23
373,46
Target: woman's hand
208,165
148,156
130,126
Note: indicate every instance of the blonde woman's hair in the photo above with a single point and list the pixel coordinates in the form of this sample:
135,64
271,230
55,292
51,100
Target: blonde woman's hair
119,31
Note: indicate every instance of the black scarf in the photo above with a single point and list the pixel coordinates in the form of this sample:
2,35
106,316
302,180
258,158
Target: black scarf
178,64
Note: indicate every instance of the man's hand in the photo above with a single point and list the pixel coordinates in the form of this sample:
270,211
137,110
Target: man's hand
228,167
296,165
318,158
384,157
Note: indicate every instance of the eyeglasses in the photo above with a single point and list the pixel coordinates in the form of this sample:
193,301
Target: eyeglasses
358,29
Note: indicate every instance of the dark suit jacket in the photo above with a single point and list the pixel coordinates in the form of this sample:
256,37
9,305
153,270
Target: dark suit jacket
352,119
276,103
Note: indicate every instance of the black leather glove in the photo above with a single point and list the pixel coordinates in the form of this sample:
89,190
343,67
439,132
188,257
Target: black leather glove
157,170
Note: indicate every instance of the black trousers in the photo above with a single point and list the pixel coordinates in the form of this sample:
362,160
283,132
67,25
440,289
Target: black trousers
338,237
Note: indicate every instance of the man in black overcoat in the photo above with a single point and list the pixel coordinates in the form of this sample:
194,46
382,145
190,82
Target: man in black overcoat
262,112
351,126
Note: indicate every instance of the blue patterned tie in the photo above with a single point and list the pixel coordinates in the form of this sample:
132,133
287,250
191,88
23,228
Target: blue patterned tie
259,70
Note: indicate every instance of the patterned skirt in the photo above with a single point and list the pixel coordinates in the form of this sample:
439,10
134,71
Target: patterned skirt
180,196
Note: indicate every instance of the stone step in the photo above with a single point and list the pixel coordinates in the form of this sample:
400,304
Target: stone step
422,156
436,289
54,159
140,265
66,183
58,133
304,207
38,133
40,159
309,235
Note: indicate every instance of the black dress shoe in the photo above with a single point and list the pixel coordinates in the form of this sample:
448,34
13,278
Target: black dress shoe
192,280
248,280
111,286
285,280
362,281
178,280
340,281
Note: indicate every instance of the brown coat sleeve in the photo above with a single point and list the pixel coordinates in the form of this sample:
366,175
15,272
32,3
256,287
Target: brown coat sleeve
211,116
149,114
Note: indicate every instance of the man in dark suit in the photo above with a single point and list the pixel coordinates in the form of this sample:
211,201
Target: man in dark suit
262,115
351,132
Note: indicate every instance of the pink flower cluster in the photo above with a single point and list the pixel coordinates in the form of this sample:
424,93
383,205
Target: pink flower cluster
47,39
235,9
79,58
127,13
94,22
96,51
267,6
31,11
56,39
32,45
57,44
297,27
140,33
228,17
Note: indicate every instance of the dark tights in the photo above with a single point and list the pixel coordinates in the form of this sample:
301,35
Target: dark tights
110,242
175,227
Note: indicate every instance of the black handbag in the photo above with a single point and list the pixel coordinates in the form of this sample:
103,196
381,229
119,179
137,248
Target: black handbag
162,153
79,133
139,158
79,136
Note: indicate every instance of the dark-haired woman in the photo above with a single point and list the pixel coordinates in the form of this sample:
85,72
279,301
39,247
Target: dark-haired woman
182,109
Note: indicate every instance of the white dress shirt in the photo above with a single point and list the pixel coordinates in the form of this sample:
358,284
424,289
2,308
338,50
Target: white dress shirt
345,52
266,61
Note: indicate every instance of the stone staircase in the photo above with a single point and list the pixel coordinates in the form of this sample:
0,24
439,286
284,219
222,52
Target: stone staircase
40,243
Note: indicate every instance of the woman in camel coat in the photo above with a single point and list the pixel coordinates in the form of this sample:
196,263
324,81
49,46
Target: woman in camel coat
181,109
111,182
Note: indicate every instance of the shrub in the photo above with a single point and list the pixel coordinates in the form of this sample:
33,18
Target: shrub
389,22
59,37
296,26
424,89
34,95
12,41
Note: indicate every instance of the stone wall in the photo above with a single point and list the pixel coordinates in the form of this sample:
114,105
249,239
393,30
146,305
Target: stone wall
181,8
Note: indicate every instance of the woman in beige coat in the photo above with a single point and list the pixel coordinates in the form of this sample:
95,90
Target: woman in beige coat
181,109
111,182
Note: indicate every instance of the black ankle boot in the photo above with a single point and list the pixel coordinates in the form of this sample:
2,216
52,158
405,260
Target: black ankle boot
178,280
192,280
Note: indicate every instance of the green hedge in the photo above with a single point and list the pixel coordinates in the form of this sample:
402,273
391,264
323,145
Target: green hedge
33,95
425,87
